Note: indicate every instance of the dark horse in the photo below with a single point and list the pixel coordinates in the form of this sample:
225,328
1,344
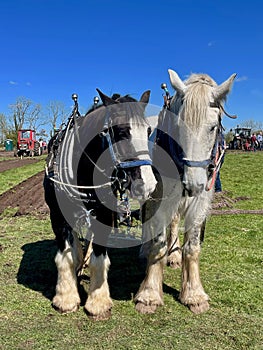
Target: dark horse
96,155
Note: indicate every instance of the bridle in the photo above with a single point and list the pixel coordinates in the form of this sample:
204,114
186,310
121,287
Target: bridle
120,167
213,163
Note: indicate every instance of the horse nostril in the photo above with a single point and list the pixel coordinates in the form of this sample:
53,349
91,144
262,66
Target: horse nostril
192,190
187,190
201,187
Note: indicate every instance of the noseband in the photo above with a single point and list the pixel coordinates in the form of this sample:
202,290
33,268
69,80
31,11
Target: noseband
213,163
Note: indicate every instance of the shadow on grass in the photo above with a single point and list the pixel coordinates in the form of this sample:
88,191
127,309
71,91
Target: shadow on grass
126,272
37,269
173,292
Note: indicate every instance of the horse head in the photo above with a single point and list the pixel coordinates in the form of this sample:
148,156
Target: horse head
127,133
198,108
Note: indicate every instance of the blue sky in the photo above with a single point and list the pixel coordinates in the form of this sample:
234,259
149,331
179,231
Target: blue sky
52,48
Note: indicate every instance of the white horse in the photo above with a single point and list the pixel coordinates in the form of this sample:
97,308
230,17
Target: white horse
185,156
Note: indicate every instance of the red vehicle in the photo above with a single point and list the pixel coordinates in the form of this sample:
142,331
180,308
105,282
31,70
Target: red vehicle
27,145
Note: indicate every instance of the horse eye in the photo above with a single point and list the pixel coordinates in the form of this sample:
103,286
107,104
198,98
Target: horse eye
103,132
149,131
213,128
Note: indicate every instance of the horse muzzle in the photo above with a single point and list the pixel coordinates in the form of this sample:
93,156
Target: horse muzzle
192,190
143,184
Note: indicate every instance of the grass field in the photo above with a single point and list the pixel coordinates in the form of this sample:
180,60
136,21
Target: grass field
12,177
231,271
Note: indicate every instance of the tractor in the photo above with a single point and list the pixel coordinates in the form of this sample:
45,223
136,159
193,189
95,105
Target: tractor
27,145
240,137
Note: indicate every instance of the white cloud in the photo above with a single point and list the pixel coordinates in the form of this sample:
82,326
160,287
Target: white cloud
11,82
243,78
211,43
28,83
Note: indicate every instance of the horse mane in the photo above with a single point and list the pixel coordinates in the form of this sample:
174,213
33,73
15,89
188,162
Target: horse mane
134,111
115,97
196,99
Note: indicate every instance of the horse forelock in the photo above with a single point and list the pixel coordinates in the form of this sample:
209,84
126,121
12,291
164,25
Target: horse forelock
194,104
126,110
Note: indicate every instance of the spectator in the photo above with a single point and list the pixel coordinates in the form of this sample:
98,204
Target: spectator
222,147
260,140
254,142
247,145
41,146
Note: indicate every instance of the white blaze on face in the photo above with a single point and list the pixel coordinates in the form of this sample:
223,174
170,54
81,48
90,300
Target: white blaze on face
142,187
199,147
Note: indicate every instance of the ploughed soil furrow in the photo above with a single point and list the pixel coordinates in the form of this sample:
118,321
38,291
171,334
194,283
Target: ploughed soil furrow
16,163
26,197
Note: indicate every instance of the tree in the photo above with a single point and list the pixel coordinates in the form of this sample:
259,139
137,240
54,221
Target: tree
25,114
34,116
42,133
3,127
57,114
20,109
229,137
251,123
7,131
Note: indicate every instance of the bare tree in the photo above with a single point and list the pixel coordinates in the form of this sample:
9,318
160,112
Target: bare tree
34,116
251,123
57,114
20,109
7,130
26,114
3,127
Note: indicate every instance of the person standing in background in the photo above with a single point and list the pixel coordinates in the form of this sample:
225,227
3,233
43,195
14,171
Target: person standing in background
222,147
260,140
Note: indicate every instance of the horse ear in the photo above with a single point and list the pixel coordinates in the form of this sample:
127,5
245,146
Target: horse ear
176,82
145,97
221,91
106,100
